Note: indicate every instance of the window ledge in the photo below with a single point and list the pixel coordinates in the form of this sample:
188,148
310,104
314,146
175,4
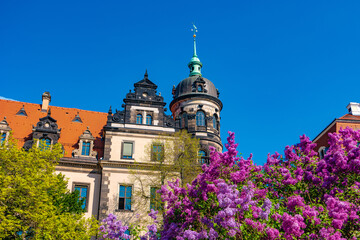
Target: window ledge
123,210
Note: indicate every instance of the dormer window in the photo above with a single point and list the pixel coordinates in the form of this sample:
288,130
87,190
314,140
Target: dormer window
199,88
85,149
44,144
22,112
4,131
86,145
3,138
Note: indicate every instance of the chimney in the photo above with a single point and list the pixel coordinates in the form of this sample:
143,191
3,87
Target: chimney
354,108
46,99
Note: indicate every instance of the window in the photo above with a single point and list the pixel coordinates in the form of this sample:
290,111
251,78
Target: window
157,152
44,144
3,138
184,117
139,119
155,200
215,126
322,152
125,197
83,191
180,123
199,88
200,118
127,150
85,149
202,157
148,120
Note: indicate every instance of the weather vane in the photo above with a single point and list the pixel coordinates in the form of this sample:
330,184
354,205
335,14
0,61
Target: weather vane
194,29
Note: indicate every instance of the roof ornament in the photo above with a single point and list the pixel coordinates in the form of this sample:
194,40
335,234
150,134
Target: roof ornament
194,29
195,65
110,111
146,76
4,121
49,112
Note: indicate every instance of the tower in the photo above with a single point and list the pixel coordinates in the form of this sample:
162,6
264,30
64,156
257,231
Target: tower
196,106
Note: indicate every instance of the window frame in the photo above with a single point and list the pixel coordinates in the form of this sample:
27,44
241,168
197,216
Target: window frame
215,122
159,207
148,116
131,197
74,184
198,119
141,118
122,150
85,144
203,159
153,152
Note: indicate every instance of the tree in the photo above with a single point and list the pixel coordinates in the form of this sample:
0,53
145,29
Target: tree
34,201
295,196
170,157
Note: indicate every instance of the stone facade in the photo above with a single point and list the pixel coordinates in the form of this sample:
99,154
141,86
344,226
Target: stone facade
102,149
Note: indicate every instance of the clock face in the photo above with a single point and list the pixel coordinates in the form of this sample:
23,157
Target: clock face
145,94
47,125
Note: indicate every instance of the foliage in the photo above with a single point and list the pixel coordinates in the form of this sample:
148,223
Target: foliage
296,197
171,157
34,201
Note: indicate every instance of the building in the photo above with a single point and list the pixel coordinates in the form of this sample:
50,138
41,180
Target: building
351,119
100,148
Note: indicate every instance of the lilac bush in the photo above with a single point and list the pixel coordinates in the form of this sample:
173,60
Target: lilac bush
295,196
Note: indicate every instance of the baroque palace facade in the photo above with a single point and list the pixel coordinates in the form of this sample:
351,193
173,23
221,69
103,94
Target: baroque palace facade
101,148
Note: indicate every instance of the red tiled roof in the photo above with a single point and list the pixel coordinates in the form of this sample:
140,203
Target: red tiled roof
70,131
350,117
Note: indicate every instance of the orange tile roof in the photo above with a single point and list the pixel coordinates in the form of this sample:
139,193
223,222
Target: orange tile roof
350,117
70,131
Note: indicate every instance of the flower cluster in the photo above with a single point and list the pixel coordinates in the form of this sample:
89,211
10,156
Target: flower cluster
112,229
292,197
295,196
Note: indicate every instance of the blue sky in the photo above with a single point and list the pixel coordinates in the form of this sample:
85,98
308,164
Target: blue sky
283,68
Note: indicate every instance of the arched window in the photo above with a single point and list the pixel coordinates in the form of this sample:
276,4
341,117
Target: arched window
139,119
85,149
44,144
202,157
200,118
215,125
199,88
148,120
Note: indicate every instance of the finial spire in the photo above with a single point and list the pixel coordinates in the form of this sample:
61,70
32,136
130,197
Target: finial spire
194,29
146,74
195,65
